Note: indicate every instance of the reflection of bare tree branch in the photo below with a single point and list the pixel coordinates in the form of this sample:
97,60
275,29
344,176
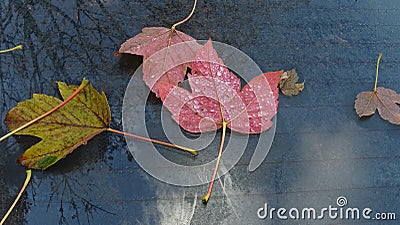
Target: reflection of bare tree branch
62,41
7,196
58,44
65,191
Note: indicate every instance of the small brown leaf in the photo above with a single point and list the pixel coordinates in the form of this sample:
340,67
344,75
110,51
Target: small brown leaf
384,100
288,83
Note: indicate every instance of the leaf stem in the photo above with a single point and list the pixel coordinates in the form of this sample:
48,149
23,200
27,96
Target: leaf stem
206,197
191,151
187,18
80,88
377,70
27,179
19,47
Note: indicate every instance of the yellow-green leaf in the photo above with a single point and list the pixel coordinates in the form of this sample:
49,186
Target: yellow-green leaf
72,125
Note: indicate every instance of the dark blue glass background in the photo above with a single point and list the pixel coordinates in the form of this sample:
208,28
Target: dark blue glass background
321,150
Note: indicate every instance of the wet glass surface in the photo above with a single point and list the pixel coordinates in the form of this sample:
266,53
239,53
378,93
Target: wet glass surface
321,150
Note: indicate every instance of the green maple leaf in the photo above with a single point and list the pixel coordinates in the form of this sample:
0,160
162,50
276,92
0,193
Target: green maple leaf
72,125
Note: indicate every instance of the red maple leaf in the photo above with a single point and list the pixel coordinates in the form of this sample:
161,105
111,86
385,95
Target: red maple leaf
216,97
216,101
166,53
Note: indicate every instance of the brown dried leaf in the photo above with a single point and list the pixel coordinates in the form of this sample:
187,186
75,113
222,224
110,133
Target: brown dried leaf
288,83
384,100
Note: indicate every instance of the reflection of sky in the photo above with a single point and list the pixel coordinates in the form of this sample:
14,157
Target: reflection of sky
321,149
